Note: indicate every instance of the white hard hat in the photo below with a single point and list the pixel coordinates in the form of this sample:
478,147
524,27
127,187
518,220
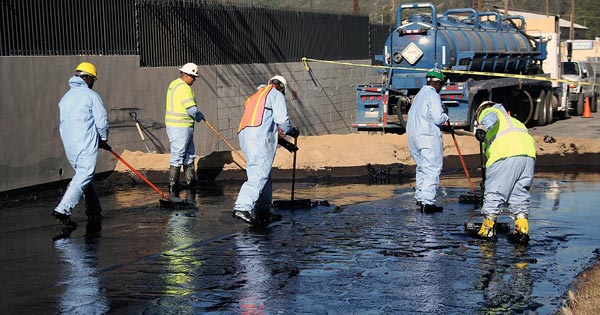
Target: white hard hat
483,106
190,69
280,79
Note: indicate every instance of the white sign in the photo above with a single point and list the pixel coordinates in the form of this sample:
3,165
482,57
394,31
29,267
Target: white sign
412,53
582,44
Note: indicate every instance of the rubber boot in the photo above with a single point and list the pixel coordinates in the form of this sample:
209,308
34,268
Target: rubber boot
426,208
174,179
521,233
92,204
487,231
189,174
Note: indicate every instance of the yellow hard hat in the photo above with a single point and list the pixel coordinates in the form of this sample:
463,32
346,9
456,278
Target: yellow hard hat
86,68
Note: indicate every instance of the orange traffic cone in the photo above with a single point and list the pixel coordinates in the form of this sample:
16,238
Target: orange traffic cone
587,112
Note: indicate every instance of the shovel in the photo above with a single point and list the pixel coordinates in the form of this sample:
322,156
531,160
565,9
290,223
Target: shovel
137,124
166,202
293,203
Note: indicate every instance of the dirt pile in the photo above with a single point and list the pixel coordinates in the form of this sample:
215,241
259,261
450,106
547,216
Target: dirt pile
327,151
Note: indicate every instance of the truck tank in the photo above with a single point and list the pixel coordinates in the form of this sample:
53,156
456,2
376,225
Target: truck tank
479,41
471,48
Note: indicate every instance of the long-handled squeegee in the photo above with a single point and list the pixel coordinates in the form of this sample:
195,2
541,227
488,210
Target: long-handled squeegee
473,198
292,203
166,202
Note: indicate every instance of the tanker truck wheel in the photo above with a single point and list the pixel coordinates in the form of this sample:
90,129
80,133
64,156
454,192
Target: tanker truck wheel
550,105
523,108
578,108
542,109
402,116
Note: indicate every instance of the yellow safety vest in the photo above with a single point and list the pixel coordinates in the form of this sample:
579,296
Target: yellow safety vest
509,137
179,98
254,108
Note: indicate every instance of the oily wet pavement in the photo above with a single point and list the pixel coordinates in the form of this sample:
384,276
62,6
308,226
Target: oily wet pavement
379,256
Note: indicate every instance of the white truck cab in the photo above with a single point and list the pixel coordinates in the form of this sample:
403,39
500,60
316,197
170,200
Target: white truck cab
581,86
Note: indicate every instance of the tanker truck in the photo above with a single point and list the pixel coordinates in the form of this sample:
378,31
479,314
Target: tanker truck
470,47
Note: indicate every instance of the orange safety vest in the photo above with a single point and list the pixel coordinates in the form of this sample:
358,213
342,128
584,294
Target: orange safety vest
254,108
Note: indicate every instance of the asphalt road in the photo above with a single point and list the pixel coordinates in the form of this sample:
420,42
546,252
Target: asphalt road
571,127
370,252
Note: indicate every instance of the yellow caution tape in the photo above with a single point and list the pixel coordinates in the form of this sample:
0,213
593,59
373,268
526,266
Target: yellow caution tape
491,74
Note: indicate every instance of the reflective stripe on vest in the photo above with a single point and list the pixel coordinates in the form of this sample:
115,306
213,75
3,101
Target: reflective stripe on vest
254,108
509,137
179,98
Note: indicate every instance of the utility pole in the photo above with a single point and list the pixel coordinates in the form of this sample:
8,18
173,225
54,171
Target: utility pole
354,6
393,15
547,8
479,5
572,30
506,7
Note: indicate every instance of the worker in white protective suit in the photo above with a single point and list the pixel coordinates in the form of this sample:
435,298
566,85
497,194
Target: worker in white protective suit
425,118
265,119
180,113
83,129
510,162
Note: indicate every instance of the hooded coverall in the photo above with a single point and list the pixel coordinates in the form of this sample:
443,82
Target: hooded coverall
510,152
259,143
83,121
425,117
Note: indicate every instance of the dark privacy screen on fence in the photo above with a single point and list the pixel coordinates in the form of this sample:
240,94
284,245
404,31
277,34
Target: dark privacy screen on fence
67,27
171,33
221,34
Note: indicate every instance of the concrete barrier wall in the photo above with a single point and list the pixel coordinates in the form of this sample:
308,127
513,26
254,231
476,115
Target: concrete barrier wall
320,102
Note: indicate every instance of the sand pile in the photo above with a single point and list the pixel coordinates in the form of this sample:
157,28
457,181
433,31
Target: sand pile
319,152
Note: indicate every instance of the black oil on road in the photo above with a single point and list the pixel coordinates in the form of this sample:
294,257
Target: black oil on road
370,252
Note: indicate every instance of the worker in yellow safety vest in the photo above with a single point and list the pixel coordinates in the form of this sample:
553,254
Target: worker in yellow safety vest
510,161
181,112
264,120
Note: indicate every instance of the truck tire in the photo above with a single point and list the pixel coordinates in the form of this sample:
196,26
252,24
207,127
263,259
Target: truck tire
523,107
550,105
578,108
594,104
542,109
402,117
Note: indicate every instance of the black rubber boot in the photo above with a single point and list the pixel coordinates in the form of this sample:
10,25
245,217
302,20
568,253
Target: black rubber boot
189,174
64,219
174,178
245,216
92,204
425,208
266,218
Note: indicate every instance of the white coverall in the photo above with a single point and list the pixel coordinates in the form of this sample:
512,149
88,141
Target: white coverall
425,117
259,145
83,121
507,180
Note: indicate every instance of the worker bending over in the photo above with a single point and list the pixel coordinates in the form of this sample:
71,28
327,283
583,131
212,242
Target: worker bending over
181,111
265,119
510,161
83,128
425,118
